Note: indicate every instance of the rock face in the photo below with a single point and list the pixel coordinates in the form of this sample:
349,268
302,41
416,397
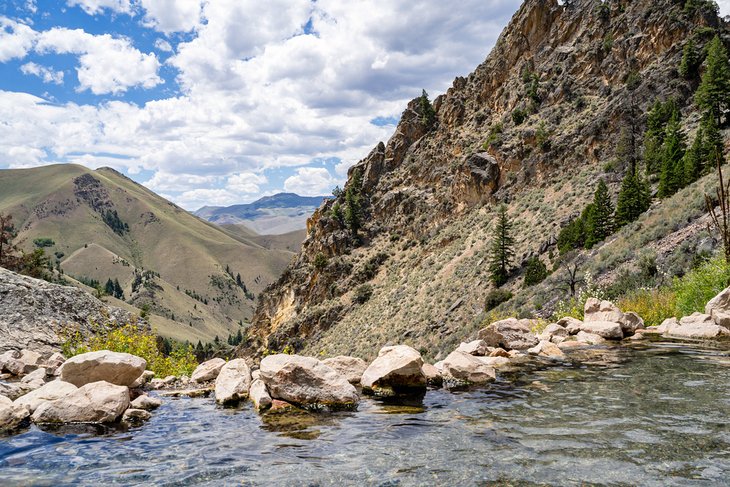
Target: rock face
719,308
33,312
396,370
12,415
351,367
466,368
97,402
233,382
307,382
208,370
510,334
50,392
116,368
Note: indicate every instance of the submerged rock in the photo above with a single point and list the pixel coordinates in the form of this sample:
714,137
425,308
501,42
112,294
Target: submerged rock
97,402
208,370
135,416
307,382
465,368
510,334
121,369
350,367
49,392
396,370
233,382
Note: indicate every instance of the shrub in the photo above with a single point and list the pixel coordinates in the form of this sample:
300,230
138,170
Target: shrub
536,271
363,293
700,285
653,305
495,298
320,261
130,339
44,242
518,116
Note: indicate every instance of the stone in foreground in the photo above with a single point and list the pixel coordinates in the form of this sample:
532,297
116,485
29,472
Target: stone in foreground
49,392
465,368
604,329
510,334
719,308
259,395
12,415
121,369
397,370
136,416
351,367
97,402
696,326
233,382
547,349
145,402
307,382
208,370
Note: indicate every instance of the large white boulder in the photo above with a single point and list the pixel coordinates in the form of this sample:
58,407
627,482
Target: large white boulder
49,392
233,382
259,395
117,368
719,308
307,382
12,415
396,370
208,370
97,402
466,368
696,326
597,310
351,367
510,334
605,329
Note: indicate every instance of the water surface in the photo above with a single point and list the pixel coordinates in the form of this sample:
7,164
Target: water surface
652,415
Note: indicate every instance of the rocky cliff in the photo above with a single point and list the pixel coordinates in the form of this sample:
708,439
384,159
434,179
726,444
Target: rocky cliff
34,314
535,126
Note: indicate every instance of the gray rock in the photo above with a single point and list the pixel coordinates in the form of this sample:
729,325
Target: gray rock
554,333
11,415
547,349
589,338
476,347
97,402
697,326
596,310
36,375
571,325
14,390
397,370
208,370
116,368
465,368
49,392
134,416
719,308
605,329
233,382
259,395
146,402
630,323
351,367
510,334
433,375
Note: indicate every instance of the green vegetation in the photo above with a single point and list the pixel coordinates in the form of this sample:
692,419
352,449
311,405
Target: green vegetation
111,218
535,271
691,60
363,293
43,242
496,297
671,177
353,204
502,249
653,305
713,94
428,114
518,116
113,288
700,285
634,198
320,261
130,339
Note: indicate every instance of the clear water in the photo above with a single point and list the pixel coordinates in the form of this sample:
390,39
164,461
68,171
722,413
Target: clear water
656,414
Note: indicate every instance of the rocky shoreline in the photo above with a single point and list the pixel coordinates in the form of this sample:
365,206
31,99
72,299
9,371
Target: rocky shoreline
110,387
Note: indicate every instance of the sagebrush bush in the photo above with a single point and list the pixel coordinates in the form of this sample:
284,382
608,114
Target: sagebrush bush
653,305
130,339
495,298
700,285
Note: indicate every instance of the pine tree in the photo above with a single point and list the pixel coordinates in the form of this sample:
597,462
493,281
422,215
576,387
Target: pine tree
572,236
713,144
428,114
109,287
671,177
601,221
118,291
694,158
502,249
239,337
353,203
656,128
535,272
713,93
634,198
690,60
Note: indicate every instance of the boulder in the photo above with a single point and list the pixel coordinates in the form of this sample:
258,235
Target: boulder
121,369
495,362
665,325
571,325
397,370
719,308
697,326
12,415
36,375
145,402
143,379
476,347
510,334
233,382
350,367
14,390
134,416
96,402
208,370
199,392
630,323
433,375
589,338
554,332
255,375
596,310
54,363
499,352
605,329
465,368
259,395
307,382
547,349
568,344
49,392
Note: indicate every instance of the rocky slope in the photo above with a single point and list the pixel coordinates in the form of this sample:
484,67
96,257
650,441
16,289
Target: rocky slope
535,127
35,314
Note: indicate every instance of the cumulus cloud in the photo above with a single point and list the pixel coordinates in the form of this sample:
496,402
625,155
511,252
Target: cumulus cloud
15,39
247,182
48,75
172,15
106,64
93,7
310,181
198,198
163,45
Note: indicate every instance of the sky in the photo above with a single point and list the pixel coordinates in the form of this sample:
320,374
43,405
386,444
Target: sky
218,102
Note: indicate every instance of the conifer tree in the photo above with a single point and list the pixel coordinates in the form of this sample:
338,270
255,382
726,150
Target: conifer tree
239,337
634,198
118,291
428,114
713,144
713,93
600,224
694,158
671,177
657,119
353,204
502,249
690,60
109,287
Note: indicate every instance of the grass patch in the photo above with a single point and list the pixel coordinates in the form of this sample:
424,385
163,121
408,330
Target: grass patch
700,285
653,305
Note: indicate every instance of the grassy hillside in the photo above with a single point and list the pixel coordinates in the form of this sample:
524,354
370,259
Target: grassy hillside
104,225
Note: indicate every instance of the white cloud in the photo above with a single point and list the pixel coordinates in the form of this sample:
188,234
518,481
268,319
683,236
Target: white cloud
163,45
15,39
310,181
247,182
172,15
163,181
48,75
724,7
198,198
93,7
106,64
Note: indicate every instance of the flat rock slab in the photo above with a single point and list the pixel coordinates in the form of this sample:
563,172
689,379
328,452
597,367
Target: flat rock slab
202,392
49,392
121,369
605,329
97,402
